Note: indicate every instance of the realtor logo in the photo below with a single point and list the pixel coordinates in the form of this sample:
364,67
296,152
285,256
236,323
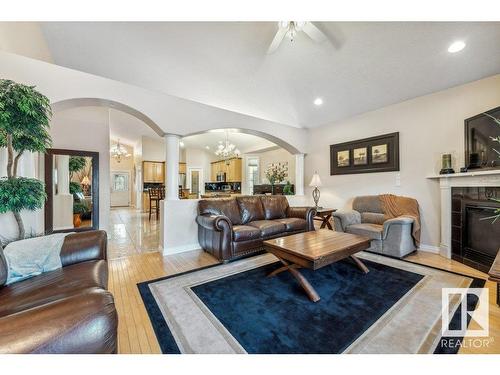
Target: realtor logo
465,304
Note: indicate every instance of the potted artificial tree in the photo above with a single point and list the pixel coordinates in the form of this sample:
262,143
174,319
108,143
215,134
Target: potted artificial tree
24,127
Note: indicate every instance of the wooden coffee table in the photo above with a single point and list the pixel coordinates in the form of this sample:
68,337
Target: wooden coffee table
314,250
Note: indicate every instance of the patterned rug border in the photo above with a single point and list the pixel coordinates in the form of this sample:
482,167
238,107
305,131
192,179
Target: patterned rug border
168,344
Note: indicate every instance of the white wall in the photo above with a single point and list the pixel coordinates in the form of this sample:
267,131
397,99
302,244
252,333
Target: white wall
24,38
429,126
171,114
153,149
87,129
28,167
196,158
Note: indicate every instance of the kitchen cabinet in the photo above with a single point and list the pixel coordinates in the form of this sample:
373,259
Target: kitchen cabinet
232,169
153,171
182,168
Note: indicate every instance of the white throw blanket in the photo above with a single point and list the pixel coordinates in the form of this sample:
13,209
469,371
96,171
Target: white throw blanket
31,257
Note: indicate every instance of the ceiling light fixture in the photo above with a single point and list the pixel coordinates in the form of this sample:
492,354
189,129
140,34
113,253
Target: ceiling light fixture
181,144
456,46
292,28
318,101
118,151
226,150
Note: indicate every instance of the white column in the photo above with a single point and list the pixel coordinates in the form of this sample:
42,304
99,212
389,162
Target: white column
62,174
172,166
299,174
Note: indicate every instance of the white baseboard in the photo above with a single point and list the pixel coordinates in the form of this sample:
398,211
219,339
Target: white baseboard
180,249
429,248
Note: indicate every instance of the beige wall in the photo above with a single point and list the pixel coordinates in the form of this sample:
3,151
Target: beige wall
276,156
24,38
153,149
429,126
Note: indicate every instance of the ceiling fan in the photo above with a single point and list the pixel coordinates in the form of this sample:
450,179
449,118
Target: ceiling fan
290,29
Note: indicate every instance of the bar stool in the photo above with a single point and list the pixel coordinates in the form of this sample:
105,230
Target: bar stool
154,197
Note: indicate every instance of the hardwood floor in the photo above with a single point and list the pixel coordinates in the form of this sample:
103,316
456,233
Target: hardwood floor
132,264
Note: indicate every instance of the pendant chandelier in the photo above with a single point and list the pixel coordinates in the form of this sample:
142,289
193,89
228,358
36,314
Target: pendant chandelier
226,150
119,152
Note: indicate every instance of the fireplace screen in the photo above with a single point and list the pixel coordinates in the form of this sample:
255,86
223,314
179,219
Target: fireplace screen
480,234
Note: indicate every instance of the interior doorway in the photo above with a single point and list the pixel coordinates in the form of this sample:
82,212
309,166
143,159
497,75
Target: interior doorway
120,189
195,182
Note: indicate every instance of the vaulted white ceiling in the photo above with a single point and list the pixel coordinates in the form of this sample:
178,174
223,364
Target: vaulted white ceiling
363,66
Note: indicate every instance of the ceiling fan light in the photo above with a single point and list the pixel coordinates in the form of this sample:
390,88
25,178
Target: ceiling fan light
299,24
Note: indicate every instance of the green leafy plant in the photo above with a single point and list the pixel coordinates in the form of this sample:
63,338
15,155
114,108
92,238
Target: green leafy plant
76,164
75,187
24,126
79,208
21,193
287,189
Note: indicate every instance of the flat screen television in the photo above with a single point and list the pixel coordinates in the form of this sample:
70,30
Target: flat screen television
481,151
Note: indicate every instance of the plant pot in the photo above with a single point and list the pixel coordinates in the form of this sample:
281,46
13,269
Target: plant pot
77,220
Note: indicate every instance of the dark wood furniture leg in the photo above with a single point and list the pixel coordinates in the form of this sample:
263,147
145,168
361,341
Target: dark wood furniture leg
326,222
311,293
360,264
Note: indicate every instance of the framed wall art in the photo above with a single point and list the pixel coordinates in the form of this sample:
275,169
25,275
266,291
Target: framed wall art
368,155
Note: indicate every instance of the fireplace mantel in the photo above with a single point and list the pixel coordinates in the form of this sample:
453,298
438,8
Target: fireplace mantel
479,178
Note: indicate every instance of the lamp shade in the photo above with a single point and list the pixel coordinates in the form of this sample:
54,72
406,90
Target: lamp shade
315,181
85,181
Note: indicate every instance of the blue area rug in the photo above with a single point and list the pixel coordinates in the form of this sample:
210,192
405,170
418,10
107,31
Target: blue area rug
274,315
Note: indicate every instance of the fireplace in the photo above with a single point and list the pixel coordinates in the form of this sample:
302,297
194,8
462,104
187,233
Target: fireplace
475,240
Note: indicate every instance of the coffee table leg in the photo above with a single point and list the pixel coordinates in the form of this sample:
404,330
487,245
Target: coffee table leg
360,264
311,293
284,268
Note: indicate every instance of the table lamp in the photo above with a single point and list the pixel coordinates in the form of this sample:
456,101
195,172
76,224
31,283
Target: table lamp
315,183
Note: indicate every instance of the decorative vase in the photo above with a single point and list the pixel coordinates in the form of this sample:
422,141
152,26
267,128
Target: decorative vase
77,220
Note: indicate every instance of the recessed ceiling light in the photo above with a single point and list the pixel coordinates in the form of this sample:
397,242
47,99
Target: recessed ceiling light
456,46
318,101
181,144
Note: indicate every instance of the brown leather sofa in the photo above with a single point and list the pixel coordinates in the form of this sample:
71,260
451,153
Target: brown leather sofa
235,227
67,310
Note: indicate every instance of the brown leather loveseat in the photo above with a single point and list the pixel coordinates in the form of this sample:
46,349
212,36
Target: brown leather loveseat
235,227
67,310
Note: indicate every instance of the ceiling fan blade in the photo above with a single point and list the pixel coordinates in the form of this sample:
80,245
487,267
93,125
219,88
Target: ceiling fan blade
314,33
278,38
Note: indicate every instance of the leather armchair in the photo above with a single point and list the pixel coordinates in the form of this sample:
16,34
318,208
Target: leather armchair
67,310
235,227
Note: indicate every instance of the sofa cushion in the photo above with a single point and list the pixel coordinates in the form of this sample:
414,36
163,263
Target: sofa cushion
250,208
268,227
275,206
245,233
293,224
52,286
367,203
226,206
372,231
373,218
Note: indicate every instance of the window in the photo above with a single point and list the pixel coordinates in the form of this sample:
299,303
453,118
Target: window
252,173
120,182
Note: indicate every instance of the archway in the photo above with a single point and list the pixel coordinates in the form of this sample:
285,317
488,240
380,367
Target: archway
99,102
271,138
